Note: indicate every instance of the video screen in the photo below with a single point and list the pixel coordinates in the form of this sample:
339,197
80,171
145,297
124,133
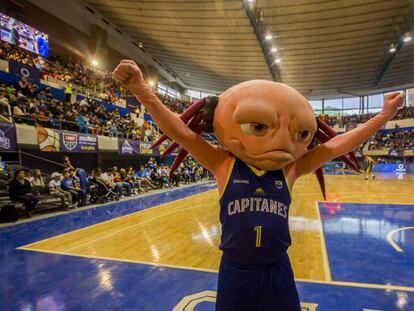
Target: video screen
24,36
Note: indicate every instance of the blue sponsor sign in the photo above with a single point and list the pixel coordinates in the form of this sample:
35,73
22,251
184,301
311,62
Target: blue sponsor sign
77,142
390,168
8,140
23,70
133,147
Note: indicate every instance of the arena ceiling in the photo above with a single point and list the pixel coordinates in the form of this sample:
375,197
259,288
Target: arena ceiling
325,47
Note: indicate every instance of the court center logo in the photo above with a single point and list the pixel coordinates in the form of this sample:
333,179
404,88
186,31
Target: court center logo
70,141
190,302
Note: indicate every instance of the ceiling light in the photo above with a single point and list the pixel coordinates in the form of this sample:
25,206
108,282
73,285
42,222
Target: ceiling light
268,36
392,49
94,62
151,83
278,60
407,37
273,50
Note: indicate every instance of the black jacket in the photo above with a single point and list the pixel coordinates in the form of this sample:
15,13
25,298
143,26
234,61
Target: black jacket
16,188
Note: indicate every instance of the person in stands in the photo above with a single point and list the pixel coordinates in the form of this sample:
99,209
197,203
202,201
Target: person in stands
20,190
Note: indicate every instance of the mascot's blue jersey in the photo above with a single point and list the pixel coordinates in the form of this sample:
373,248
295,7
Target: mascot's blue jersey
254,209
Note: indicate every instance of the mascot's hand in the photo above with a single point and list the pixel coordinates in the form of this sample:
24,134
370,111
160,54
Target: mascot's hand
129,75
392,102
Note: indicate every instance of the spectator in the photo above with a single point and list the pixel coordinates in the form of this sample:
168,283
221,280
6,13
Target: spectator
68,184
143,176
119,179
55,189
108,177
37,180
66,163
68,92
20,190
24,87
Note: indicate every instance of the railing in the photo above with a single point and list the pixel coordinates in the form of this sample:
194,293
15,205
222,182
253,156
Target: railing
71,126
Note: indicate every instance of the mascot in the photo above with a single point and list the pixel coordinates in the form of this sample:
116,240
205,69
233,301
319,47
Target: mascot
269,137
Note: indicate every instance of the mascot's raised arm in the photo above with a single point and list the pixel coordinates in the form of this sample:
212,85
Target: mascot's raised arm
270,137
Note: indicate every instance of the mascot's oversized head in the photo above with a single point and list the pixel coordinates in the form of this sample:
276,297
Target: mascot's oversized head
265,124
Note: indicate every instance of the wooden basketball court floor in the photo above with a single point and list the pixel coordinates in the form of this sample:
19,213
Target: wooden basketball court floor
160,252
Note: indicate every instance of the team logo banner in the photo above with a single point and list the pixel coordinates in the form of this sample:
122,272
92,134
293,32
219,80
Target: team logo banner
8,140
24,70
77,142
132,147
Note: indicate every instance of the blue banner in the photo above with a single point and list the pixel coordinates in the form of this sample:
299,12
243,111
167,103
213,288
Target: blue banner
8,140
23,70
133,147
390,168
77,142
132,104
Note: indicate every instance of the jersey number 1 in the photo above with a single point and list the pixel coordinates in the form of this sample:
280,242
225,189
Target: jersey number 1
258,230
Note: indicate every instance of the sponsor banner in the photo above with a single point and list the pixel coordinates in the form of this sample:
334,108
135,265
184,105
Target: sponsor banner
390,168
78,142
48,139
132,104
133,147
8,140
24,70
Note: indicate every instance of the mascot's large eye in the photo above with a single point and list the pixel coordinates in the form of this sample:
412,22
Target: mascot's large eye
303,136
256,129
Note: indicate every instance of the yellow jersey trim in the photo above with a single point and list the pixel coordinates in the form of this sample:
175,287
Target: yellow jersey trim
256,170
287,183
233,160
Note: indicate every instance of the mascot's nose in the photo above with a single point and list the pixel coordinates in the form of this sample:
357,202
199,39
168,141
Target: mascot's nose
280,139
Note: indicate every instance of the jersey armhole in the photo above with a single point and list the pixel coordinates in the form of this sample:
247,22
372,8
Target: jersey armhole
287,183
229,171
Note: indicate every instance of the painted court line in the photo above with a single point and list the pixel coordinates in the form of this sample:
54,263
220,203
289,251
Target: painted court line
327,268
391,241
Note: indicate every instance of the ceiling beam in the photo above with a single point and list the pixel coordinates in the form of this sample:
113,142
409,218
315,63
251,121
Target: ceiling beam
260,32
389,57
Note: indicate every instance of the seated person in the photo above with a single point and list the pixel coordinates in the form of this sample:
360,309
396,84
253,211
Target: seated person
37,180
69,184
143,176
55,189
20,190
121,177
108,177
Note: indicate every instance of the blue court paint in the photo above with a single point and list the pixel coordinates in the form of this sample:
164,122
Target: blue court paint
48,282
39,281
357,246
